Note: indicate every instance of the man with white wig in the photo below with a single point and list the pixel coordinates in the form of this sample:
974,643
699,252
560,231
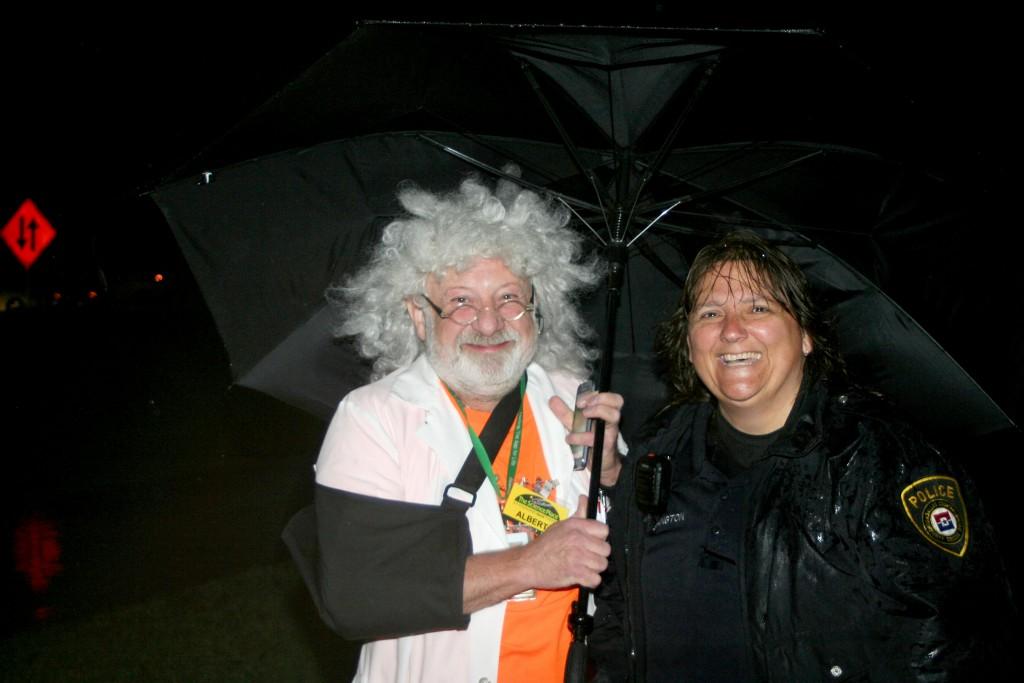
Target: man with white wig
466,308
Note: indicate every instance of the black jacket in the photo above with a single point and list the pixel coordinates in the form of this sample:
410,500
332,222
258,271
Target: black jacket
838,581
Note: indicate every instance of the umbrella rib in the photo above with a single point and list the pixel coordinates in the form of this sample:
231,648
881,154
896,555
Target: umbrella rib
698,31
796,230
761,175
700,170
710,165
734,220
660,265
651,224
584,221
508,176
546,103
564,135
683,230
488,144
652,169
766,221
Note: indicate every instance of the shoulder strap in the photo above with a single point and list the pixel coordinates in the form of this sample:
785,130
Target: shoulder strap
461,494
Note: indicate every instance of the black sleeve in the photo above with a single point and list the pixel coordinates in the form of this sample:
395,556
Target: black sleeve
958,611
380,568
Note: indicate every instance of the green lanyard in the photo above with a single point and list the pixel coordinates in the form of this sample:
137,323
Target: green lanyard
481,451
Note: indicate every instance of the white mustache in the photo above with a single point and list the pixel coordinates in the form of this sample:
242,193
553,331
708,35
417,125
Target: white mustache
470,336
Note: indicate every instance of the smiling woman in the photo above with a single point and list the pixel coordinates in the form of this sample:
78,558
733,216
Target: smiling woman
790,529
740,268
747,349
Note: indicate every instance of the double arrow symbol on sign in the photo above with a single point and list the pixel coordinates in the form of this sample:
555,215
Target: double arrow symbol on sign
32,227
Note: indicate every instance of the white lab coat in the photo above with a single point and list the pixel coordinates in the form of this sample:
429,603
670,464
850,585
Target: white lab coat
401,438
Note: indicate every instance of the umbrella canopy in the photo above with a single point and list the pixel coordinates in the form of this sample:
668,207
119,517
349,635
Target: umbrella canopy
657,140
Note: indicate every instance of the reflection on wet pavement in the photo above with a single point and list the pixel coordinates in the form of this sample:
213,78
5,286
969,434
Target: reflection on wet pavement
37,558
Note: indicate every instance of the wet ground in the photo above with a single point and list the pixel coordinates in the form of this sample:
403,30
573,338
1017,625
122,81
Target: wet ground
130,470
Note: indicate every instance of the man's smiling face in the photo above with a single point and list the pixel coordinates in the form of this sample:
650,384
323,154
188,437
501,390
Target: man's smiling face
484,359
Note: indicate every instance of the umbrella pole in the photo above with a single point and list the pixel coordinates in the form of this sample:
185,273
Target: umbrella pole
580,623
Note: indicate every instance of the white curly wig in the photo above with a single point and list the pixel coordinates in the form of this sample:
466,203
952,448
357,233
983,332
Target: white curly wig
452,232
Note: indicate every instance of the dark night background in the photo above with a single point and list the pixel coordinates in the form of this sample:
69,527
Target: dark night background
120,436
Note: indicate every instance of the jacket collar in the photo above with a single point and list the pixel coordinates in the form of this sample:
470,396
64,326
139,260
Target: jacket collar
417,383
802,432
442,428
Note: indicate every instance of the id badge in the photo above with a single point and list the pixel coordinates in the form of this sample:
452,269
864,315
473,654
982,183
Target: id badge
525,506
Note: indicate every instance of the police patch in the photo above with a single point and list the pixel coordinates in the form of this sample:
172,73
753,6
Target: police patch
937,511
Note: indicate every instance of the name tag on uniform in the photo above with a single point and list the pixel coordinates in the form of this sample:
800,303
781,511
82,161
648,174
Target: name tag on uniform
525,506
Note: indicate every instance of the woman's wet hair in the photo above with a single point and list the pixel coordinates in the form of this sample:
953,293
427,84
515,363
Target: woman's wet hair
767,270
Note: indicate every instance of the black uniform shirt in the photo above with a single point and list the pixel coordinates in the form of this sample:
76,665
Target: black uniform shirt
690,574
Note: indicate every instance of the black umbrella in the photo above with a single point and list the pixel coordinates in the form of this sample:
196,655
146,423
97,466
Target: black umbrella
265,237
657,140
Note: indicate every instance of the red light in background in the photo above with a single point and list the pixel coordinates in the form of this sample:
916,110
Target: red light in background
92,294
57,296
37,552
159,277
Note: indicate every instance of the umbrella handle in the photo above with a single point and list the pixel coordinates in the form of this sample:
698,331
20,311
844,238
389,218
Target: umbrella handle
576,662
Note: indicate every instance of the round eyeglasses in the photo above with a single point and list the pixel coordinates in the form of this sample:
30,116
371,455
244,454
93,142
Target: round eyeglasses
467,314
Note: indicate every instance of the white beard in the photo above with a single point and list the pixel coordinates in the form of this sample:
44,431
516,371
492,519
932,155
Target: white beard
481,376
